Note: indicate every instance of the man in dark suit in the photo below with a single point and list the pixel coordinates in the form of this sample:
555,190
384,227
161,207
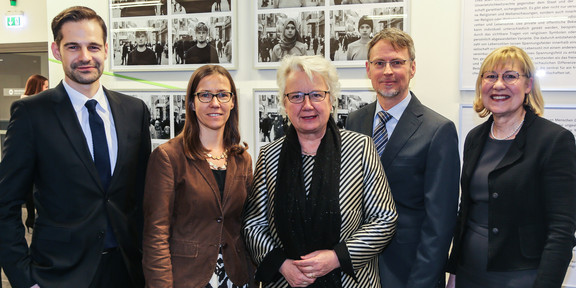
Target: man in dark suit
421,162
86,149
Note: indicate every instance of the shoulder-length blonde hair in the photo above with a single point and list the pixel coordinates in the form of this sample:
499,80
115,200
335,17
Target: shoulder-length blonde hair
500,57
191,132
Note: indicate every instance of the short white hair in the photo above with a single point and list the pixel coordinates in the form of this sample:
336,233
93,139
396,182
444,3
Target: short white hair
310,65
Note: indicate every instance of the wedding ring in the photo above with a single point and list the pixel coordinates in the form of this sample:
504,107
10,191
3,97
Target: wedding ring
311,275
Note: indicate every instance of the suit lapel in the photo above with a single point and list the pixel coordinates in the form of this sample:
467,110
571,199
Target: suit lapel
406,127
69,122
367,120
204,169
119,114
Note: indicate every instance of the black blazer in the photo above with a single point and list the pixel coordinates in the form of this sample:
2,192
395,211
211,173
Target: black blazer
532,214
45,145
422,165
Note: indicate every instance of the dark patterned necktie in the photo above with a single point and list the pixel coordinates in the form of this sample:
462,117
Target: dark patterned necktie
381,134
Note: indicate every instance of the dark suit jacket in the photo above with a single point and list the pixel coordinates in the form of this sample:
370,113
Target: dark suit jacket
187,222
422,164
532,214
45,145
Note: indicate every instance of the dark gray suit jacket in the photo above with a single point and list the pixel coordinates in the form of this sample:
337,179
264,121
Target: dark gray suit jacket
422,165
45,145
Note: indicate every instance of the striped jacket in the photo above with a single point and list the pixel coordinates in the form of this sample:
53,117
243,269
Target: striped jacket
368,211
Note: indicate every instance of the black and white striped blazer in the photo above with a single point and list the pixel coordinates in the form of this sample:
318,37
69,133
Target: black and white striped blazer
368,211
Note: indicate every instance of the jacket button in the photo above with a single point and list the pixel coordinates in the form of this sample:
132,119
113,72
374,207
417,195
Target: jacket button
219,219
495,230
494,195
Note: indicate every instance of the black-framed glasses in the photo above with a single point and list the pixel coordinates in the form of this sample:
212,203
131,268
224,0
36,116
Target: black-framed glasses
394,64
298,97
509,77
206,97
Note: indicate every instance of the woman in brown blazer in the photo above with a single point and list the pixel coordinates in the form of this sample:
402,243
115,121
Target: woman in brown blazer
196,186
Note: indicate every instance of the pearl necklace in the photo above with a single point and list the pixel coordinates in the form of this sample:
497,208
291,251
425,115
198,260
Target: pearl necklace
505,138
213,166
309,153
224,155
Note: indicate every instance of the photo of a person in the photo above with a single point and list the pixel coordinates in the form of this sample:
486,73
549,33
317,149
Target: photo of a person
290,41
203,51
142,55
358,50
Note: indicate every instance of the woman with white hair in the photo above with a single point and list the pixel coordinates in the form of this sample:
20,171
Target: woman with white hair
320,209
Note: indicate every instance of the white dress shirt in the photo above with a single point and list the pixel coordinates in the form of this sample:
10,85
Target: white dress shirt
103,109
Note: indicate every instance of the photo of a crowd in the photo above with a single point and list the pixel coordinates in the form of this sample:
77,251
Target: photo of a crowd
338,30
171,34
167,112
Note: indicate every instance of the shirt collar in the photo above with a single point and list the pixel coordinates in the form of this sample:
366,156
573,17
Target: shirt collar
78,99
398,109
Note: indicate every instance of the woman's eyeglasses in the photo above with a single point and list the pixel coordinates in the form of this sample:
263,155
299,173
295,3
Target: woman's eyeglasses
509,77
205,97
298,97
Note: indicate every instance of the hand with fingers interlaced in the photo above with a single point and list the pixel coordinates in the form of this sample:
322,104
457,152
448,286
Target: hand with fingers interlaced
294,275
318,263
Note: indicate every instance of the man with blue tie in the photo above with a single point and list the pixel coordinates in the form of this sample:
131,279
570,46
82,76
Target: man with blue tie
419,152
86,149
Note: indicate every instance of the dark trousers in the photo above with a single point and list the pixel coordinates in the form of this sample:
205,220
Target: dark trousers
112,272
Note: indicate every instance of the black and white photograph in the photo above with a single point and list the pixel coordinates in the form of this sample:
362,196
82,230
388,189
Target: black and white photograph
199,6
137,8
337,30
171,34
351,100
272,4
354,28
291,33
139,42
179,115
201,40
167,112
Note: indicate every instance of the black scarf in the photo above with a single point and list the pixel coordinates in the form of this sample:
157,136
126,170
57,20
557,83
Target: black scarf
307,224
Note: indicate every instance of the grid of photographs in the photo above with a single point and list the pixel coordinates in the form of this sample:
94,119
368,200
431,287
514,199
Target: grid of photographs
336,29
271,125
171,34
167,113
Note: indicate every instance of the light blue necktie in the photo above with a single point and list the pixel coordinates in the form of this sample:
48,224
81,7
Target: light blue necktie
381,134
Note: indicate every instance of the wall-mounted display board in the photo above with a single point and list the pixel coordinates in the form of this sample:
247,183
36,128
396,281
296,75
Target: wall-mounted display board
336,29
270,124
148,35
545,29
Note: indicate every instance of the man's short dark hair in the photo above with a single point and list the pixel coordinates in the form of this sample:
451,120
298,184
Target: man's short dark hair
201,27
141,33
75,14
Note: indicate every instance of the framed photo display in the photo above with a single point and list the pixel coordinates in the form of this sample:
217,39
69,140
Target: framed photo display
271,124
336,29
167,112
147,35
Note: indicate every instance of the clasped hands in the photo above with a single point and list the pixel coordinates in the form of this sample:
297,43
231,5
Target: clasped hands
301,273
